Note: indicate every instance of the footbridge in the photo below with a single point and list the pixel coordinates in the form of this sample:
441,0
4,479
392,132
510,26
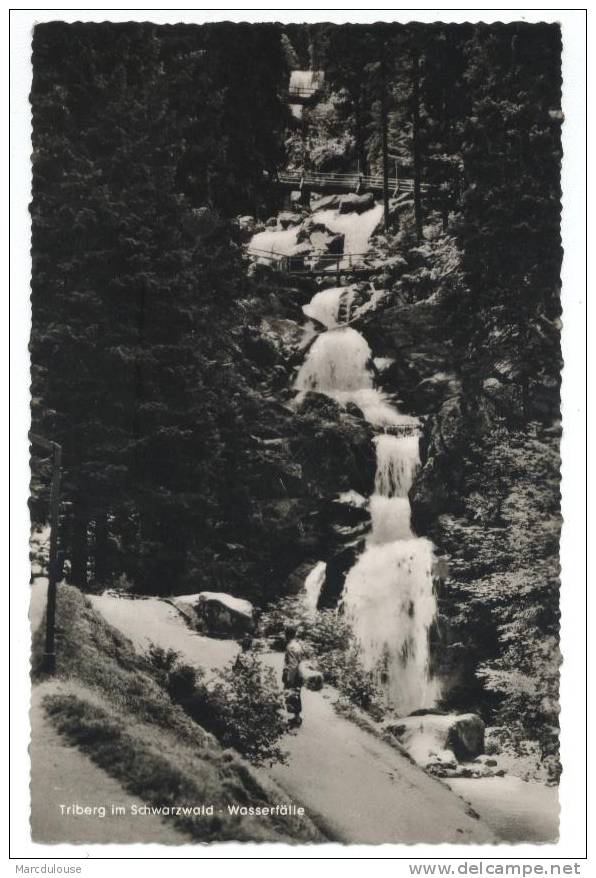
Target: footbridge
315,264
332,183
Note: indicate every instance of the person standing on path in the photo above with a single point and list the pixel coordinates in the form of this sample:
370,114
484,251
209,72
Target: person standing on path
295,653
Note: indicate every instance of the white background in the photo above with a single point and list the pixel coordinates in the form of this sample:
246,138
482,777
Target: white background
573,642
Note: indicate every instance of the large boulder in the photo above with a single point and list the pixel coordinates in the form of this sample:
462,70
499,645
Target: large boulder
328,202
289,218
334,446
434,737
327,242
353,203
434,390
218,613
248,226
320,238
336,571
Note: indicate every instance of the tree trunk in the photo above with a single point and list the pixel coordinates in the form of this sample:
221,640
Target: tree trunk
360,137
79,550
384,125
101,560
416,140
137,426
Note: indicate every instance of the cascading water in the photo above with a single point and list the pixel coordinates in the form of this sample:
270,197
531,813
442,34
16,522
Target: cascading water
278,242
324,306
314,583
337,365
390,519
389,598
398,459
356,228
388,594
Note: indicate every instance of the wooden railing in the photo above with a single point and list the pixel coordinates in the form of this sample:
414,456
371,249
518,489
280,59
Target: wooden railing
404,429
303,91
347,182
313,263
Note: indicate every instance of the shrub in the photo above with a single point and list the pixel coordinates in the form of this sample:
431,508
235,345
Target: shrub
248,708
243,708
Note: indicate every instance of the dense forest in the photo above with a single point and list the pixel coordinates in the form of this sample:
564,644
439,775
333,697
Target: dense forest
184,466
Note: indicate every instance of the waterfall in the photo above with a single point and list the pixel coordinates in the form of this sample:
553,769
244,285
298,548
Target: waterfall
280,242
338,365
324,307
332,306
388,594
398,458
389,598
390,519
356,228
314,583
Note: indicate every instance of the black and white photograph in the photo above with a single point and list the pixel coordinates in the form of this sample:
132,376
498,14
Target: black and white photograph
295,431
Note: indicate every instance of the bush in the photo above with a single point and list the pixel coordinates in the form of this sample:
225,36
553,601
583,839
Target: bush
243,709
248,709
285,611
163,661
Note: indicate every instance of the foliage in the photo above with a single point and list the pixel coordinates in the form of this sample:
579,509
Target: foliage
243,707
138,366
249,708
338,656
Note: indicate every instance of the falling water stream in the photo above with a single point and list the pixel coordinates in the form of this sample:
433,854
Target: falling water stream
388,594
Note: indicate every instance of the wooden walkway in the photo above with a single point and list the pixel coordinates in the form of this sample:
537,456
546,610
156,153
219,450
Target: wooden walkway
314,264
331,183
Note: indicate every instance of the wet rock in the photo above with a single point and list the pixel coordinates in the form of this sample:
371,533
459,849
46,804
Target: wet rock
444,735
218,613
294,583
327,242
466,736
355,411
318,404
334,447
287,219
353,203
338,568
435,390
328,202
309,227
445,436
